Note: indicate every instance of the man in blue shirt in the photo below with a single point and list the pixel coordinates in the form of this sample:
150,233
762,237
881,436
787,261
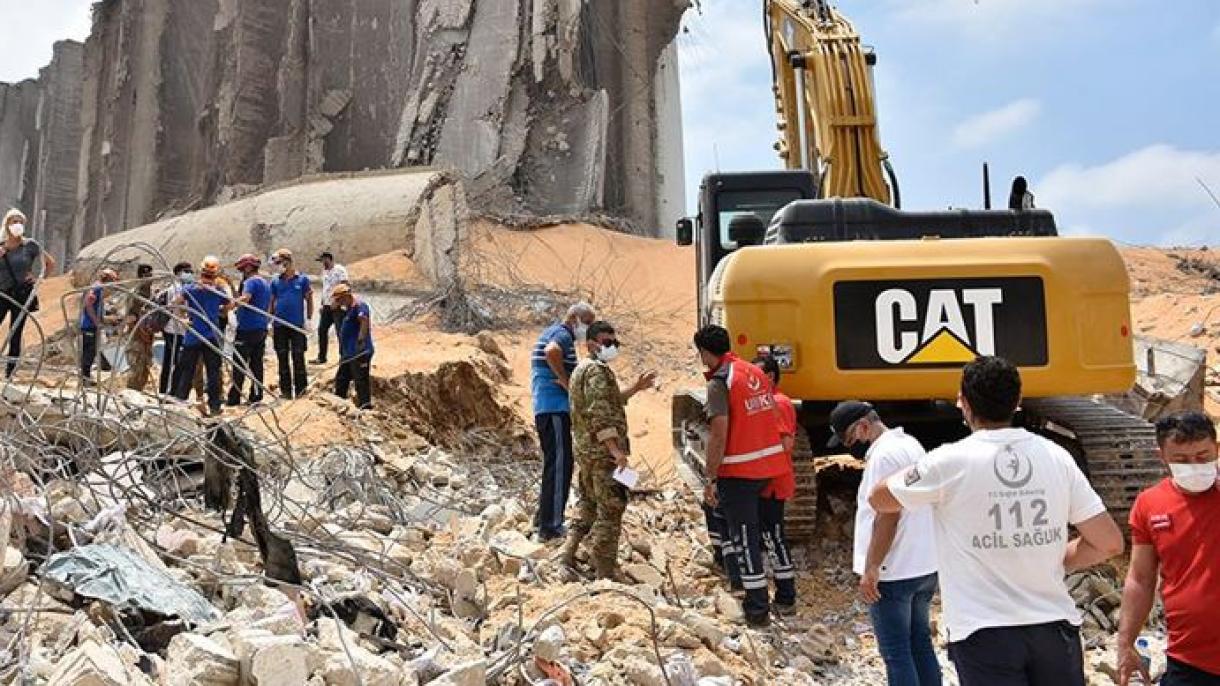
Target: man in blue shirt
204,302
250,343
355,345
92,316
292,305
551,364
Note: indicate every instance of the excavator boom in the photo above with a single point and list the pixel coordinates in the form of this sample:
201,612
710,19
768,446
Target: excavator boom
823,87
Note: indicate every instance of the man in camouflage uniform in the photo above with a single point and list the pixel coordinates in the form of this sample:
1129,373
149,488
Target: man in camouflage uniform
599,438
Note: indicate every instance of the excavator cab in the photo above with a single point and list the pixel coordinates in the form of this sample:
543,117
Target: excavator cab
723,197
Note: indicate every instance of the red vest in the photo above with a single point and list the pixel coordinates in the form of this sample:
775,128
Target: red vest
754,449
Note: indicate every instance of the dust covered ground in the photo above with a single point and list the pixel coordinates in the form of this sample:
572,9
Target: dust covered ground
409,525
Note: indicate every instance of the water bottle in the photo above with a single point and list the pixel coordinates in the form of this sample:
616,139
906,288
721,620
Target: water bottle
1143,648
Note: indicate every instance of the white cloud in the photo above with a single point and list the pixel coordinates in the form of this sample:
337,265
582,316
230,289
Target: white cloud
987,127
1151,192
30,28
1149,177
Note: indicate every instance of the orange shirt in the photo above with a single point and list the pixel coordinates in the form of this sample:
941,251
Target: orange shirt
783,487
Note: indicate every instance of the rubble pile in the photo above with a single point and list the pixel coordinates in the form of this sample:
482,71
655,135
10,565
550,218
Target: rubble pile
124,565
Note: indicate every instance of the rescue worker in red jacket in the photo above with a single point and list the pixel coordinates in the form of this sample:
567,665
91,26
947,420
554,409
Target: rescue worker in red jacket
744,453
781,489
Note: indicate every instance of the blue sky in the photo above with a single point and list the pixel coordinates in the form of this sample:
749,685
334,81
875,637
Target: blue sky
1107,106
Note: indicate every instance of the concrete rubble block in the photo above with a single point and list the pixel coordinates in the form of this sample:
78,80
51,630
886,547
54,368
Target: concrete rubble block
13,571
357,665
178,542
728,606
707,664
644,574
195,660
335,637
283,664
95,664
255,647
516,544
466,674
819,644
549,644
642,670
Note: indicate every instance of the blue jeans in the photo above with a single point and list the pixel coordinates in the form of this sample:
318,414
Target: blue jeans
904,635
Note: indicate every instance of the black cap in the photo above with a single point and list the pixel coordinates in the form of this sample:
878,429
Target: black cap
843,416
325,255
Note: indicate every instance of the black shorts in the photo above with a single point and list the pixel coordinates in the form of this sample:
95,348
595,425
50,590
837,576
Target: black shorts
1032,655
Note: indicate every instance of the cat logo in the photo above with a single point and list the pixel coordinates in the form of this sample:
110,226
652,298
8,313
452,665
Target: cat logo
943,337
939,322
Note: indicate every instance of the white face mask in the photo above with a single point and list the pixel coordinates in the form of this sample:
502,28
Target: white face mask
581,331
17,230
608,353
1194,478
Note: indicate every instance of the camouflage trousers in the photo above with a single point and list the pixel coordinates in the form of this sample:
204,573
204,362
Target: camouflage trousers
599,516
139,363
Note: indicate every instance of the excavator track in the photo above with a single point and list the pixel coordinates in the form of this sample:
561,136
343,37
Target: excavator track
1116,450
690,440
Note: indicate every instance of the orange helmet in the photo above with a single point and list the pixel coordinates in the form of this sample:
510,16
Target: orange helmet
210,267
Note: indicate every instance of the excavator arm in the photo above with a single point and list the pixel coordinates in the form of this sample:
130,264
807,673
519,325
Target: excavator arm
825,100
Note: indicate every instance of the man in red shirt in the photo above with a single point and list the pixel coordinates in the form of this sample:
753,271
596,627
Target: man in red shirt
771,501
1173,533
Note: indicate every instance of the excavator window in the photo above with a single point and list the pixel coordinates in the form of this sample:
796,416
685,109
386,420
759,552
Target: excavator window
762,203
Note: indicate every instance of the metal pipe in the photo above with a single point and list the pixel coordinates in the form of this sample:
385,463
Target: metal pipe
802,114
986,186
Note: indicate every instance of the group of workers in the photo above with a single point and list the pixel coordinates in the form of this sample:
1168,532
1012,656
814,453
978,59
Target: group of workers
207,323
992,523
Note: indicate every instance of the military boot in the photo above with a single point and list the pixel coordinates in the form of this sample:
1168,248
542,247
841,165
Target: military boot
570,548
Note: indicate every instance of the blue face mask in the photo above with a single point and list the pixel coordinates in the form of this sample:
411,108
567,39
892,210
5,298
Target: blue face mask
186,278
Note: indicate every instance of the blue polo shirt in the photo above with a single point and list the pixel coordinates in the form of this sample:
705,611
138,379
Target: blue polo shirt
95,293
349,332
248,318
203,303
549,396
290,298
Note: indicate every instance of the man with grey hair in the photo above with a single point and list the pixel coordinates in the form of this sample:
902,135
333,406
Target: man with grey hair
551,366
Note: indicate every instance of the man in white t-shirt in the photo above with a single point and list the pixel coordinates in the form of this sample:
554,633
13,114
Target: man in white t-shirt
1002,500
894,552
333,274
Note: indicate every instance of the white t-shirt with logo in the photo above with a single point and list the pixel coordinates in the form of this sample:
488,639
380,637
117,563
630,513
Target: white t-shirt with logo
913,553
1002,501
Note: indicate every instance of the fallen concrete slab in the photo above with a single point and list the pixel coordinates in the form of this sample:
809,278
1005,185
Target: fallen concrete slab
355,217
1169,378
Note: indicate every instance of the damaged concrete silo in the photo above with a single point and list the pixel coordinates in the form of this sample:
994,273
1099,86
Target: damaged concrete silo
543,106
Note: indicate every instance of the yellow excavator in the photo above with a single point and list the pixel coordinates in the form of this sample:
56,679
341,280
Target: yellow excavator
818,267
